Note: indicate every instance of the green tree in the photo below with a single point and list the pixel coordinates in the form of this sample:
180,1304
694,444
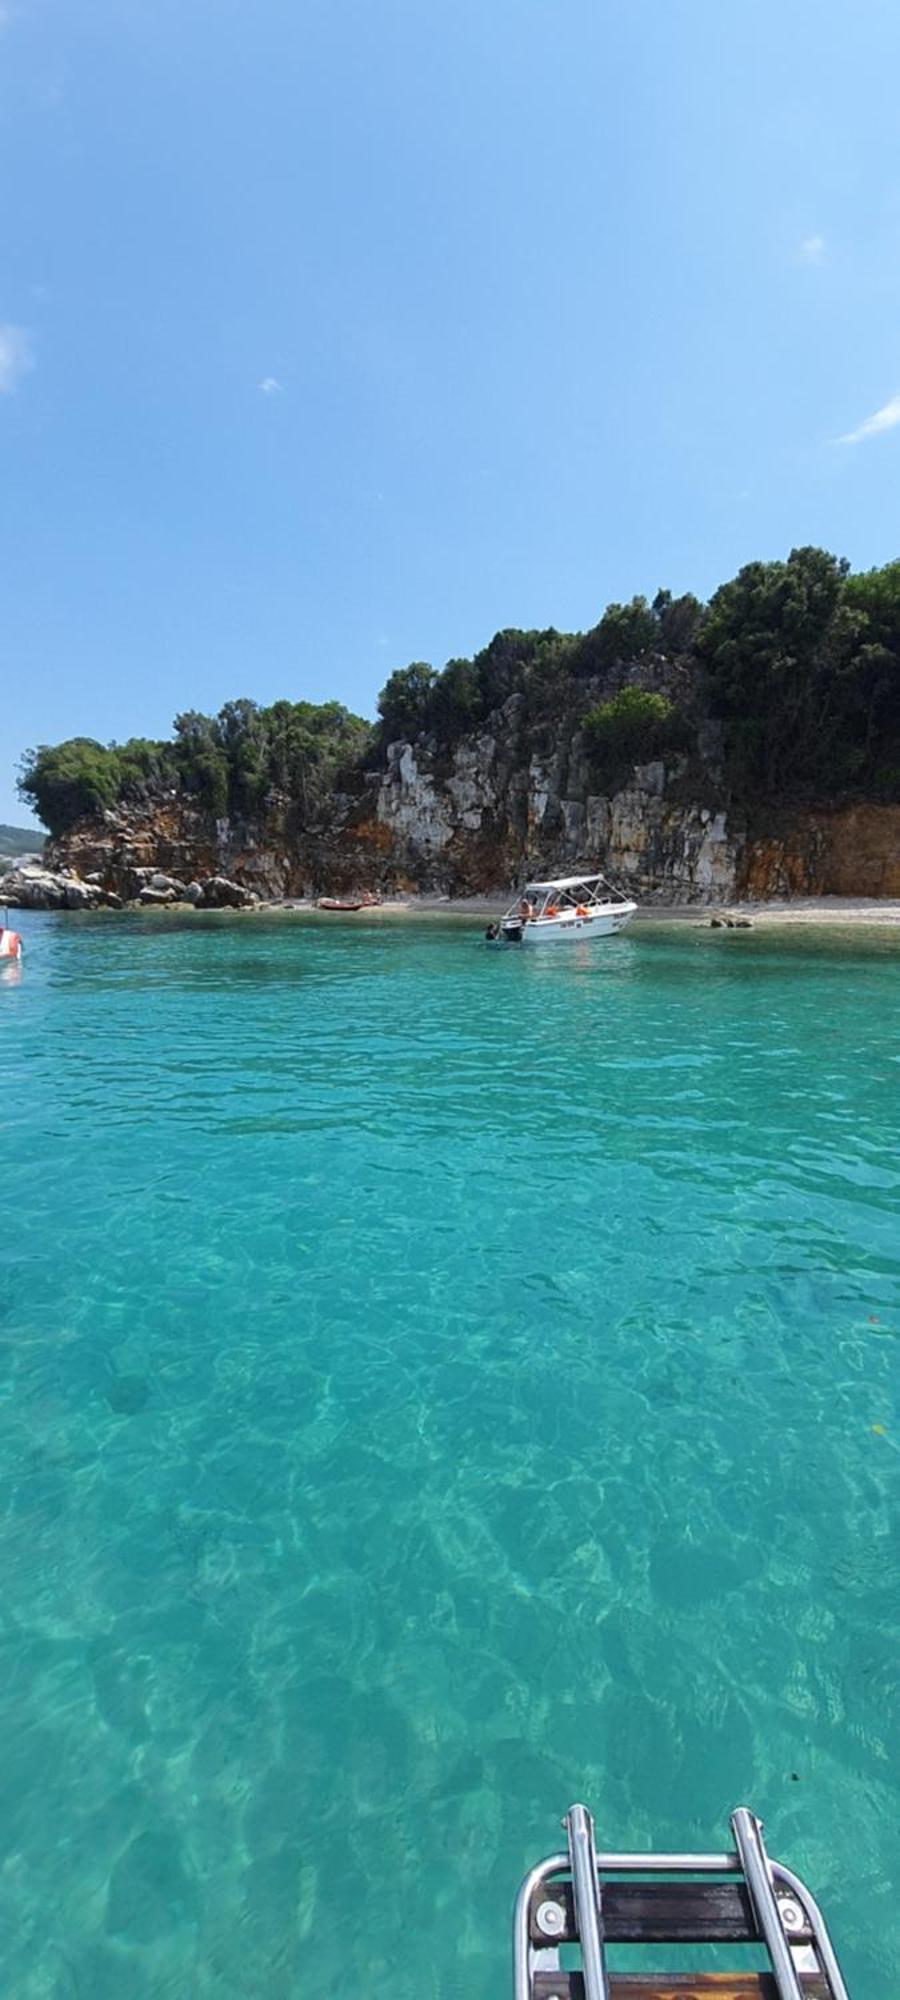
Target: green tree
626,633
678,620
200,760
142,765
308,746
66,782
455,703
776,642
403,703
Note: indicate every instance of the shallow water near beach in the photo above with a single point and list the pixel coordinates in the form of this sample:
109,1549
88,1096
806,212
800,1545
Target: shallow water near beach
436,1385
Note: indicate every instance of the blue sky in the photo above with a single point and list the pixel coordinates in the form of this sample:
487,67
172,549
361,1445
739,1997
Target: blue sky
339,333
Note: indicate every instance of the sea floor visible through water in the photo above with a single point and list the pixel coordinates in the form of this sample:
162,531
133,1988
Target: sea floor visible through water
436,1385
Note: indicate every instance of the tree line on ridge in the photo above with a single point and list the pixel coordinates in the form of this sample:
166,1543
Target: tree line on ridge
798,660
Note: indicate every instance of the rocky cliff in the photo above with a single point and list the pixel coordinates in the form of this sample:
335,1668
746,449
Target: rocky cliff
503,802
459,822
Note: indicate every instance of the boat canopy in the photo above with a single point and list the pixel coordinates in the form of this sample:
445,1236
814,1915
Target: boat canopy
561,882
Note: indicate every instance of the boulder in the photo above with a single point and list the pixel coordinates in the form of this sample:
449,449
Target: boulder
34,887
16,861
148,895
137,879
159,881
193,893
79,895
218,893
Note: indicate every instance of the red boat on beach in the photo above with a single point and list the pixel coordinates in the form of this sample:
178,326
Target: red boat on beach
366,902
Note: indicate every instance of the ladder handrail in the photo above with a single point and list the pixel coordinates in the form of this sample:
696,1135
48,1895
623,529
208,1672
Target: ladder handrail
747,1830
588,1901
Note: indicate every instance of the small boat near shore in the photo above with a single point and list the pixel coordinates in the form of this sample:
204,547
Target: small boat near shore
567,909
346,903
10,943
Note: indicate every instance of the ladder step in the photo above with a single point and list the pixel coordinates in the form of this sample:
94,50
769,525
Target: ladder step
680,1986
657,1913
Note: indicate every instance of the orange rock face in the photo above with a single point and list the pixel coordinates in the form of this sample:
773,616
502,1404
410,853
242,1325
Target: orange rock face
852,852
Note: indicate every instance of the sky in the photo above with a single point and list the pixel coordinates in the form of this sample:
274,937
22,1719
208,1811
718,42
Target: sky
336,334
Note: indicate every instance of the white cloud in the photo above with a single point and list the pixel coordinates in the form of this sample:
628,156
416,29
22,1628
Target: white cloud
15,357
885,419
270,386
812,250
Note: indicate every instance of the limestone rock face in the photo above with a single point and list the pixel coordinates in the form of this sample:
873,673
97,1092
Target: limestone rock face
483,820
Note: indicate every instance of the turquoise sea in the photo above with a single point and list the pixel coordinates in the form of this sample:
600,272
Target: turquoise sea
436,1385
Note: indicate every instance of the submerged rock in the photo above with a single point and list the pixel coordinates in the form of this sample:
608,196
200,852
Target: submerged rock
150,1890
127,1394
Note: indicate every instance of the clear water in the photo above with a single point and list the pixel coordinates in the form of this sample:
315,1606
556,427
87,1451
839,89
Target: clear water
436,1385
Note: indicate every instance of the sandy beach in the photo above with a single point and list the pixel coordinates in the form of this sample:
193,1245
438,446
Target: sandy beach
839,911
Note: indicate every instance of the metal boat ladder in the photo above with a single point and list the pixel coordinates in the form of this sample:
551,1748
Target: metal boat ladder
592,1901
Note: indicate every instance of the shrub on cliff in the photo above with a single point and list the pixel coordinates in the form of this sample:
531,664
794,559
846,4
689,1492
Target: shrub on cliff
633,728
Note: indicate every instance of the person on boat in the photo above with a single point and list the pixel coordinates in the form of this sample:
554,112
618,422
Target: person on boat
526,910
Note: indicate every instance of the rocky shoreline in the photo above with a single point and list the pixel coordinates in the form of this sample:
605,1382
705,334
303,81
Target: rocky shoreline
33,886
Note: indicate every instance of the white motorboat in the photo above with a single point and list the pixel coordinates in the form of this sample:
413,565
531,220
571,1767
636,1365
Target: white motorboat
569,909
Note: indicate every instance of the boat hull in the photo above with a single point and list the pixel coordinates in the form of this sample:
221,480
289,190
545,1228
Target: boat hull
341,905
567,929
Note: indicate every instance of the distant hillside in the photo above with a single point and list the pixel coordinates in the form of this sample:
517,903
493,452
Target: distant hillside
16,840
